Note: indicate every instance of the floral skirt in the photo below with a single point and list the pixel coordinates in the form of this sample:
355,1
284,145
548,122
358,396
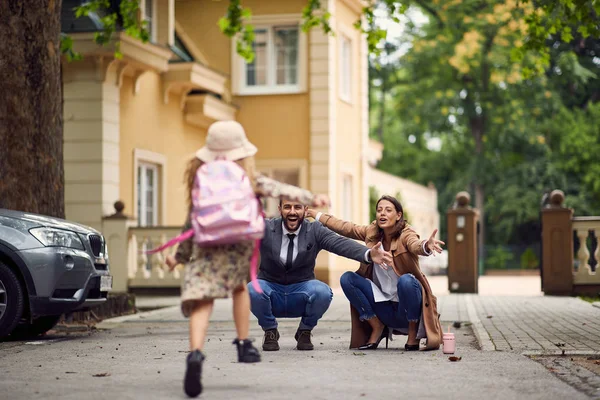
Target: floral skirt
214,272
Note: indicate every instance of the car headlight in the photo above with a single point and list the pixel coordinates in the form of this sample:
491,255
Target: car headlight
57,238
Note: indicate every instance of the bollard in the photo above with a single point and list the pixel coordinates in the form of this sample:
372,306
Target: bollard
463,273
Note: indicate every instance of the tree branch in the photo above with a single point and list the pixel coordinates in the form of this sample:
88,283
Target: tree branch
431,11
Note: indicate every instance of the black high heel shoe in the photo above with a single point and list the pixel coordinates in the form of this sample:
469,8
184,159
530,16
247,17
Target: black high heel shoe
373,346
411,347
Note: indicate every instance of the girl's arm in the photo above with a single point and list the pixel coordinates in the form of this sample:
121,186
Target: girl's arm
344,228
267,187
184,250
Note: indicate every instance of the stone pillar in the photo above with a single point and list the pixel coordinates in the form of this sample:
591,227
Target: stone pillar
91,139
557,247
323,98
463,272
115,229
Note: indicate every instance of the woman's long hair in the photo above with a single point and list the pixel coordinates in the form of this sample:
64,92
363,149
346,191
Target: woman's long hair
248,164
400,224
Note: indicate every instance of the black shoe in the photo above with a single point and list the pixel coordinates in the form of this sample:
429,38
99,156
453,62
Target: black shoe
373,346
270,341
247,353
411,347
192,384
303,338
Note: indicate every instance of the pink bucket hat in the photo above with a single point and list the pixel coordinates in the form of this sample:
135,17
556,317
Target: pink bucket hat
226,139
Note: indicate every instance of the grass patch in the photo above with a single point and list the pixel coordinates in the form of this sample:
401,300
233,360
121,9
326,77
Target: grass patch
590,299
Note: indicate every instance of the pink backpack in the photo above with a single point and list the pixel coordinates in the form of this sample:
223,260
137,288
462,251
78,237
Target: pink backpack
225,210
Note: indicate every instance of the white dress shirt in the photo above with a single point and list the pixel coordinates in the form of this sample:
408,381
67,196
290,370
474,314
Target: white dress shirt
285,241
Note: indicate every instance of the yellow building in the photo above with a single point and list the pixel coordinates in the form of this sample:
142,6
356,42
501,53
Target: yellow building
131,124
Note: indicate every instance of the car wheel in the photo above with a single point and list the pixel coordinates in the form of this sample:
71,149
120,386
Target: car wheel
12,300
39,326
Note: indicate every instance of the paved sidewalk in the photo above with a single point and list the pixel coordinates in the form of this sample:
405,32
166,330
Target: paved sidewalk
142,357
530,323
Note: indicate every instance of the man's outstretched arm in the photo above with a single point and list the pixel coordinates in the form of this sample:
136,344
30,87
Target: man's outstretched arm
334,243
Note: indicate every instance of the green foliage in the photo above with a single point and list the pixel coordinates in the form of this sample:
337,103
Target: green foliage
566,18
529,259
458,80
310,20
66,48
498,258
126,17
373,197
233,25
574,137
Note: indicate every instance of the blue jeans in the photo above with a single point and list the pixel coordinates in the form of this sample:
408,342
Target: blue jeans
359,292
309,300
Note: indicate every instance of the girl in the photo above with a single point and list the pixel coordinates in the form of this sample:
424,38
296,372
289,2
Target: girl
221,271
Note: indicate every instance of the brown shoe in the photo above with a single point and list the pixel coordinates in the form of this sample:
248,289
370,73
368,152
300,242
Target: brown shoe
303,338
270,341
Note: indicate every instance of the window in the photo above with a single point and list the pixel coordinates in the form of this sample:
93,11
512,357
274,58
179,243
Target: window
347,198
278,65
276,58
149,18
345,64
147,194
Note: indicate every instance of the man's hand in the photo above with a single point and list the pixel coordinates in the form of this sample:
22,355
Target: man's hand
311,213
434,245
171,262
321,200
380,256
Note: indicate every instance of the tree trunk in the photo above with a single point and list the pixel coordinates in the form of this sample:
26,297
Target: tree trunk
31,115
477,131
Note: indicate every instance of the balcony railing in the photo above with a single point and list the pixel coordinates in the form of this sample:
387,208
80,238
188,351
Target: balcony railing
584,268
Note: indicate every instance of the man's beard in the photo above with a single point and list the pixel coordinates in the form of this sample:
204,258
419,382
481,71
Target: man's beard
299,222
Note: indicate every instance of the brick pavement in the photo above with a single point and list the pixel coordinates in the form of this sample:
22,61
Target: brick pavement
528,324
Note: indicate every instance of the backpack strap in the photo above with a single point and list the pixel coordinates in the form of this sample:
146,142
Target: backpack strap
182,237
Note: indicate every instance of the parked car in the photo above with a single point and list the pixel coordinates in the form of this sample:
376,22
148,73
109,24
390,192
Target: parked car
437,265
48,267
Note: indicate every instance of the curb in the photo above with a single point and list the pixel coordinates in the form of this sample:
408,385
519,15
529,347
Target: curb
481,334
567,353
134,317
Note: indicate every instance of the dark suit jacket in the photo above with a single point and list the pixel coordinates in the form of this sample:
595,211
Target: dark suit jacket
313,238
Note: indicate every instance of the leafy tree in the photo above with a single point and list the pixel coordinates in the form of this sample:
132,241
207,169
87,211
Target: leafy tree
538,133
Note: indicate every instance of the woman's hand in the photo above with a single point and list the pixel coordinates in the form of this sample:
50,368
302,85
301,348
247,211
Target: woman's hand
321,200
433,245
171,262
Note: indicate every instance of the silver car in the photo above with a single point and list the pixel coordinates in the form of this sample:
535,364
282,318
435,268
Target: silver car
48,267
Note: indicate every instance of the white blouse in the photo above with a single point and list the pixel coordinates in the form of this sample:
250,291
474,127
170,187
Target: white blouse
384,284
